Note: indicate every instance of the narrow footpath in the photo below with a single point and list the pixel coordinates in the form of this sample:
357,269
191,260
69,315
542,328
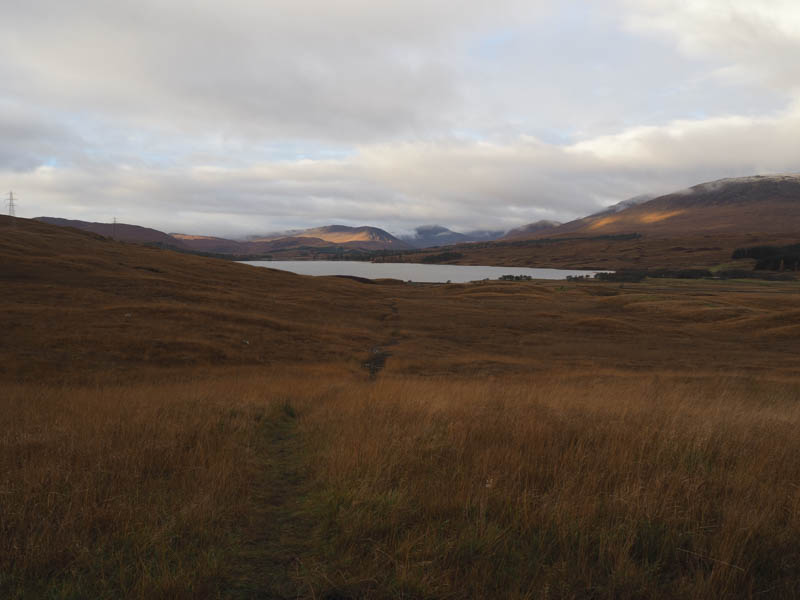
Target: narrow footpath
279,532
378,355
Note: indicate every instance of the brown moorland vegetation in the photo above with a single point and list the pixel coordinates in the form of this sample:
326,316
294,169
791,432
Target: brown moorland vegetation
606,252
523,440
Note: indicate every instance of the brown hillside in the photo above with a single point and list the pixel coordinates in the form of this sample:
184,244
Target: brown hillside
75,304
203,243
120,231
216,245
72,302
698,227
747,205
539,228
371,238
286,247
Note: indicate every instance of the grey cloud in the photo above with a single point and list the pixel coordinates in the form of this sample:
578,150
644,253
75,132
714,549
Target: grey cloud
28,139
458,183
346,70
754,42
250,116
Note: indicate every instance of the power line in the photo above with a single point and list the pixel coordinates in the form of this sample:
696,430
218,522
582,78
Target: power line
12,206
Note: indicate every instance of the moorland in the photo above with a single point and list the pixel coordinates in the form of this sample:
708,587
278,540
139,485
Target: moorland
175,426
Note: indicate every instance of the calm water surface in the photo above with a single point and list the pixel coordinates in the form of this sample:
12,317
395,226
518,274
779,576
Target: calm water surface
410,271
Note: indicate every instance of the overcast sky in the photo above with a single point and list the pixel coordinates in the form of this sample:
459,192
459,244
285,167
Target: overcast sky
249,116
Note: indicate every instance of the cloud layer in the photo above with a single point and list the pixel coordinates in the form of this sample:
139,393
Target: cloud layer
247,116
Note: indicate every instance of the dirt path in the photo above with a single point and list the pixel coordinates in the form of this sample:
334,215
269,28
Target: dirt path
378,355
279,532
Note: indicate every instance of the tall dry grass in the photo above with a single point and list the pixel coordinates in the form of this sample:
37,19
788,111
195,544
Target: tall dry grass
124,491
637,488
629,487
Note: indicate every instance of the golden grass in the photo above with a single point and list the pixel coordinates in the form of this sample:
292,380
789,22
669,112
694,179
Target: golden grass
639,488
123,490
580,487
174,427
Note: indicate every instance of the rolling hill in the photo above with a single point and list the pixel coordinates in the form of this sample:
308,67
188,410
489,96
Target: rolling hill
366,238
768,204
102,304
215,245
73,302
697,227
296,245
120,231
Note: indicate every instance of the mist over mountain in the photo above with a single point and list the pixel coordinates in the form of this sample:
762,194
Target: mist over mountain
623,204
762,204
428,236
738,205
543,226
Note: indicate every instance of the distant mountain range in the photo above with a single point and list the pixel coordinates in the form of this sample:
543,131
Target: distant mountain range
310,240
366,238
699,227
768,205
338,236
428,236
745,205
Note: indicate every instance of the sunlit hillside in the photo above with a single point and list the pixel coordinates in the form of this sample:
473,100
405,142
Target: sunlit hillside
699,227
745,205
341,234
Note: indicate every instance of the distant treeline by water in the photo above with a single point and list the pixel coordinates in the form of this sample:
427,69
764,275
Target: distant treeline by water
772,258
635,275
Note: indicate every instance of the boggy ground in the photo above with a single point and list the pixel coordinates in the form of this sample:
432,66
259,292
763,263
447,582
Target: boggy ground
183,427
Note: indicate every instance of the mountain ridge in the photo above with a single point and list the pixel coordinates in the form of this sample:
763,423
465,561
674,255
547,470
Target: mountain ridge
711,218
697,227
332,236
537,227
734,205
124,232
429,236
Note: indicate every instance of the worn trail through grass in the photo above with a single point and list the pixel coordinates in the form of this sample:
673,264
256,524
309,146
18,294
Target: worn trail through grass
378,355
278,531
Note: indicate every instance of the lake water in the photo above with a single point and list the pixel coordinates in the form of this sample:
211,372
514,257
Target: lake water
409,271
